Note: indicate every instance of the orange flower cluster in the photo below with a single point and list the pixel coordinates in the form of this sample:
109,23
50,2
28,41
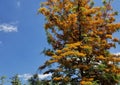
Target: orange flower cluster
44,11
91,11
100,57
115,39
109,36
87,81
72,18
57,78
52,61
85,67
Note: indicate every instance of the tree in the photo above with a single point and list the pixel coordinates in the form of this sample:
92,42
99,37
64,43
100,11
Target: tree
2,80
81,36
15,80
34,80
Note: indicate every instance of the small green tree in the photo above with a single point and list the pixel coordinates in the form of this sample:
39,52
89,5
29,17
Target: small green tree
34,80
15,80
2,80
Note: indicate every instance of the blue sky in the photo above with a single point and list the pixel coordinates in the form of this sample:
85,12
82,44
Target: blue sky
22,36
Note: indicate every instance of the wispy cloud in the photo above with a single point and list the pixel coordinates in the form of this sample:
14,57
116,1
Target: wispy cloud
18,3
28,76
8,27
0,42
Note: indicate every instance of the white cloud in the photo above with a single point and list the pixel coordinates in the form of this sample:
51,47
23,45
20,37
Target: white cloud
117,53
8,28
25,76
43,76
28,76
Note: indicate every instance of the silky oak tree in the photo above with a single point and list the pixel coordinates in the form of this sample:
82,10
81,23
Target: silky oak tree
81,36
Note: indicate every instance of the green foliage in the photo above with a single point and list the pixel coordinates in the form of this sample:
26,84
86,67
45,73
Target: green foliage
15,80
2,80
34,80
